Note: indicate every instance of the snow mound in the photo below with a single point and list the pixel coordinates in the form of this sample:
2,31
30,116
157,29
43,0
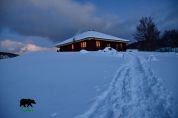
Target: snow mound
112,52
83,51
109,49
152,58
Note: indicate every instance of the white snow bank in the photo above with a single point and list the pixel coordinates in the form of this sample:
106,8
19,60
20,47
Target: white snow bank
109,49
83,51
111,52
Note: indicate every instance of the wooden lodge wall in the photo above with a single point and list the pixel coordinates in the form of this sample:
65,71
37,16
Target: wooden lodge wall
91,45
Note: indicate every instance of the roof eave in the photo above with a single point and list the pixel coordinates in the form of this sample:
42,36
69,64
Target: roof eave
90,38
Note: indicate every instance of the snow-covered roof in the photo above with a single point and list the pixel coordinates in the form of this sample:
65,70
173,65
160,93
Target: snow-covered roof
91,34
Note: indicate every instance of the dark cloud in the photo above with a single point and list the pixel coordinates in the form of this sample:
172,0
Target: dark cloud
166,17
55,19
7,34
58,20
170,20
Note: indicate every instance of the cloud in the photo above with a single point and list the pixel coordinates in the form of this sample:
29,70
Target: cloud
58,20
168,19
19,47
12,35
55,19
32,48
11,41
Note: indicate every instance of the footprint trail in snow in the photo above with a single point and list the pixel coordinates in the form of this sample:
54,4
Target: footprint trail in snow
135,92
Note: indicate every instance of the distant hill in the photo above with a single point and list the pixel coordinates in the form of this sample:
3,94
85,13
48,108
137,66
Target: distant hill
4,55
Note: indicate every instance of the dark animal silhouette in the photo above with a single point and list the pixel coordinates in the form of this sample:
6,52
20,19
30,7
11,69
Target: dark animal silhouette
27,102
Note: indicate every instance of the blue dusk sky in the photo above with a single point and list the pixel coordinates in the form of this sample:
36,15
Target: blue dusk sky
46,22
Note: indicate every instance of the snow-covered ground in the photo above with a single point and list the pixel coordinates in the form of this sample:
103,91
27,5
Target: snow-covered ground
90,85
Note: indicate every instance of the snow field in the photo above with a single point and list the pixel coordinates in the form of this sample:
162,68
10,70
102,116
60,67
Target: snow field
134,92
62,84
103,84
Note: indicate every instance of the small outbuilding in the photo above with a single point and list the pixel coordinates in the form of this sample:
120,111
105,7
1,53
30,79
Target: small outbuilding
92,41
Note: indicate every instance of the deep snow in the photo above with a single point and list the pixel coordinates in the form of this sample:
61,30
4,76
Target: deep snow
90,85
63,84
135,92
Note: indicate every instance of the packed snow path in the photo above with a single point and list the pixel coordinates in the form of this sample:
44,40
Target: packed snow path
135,92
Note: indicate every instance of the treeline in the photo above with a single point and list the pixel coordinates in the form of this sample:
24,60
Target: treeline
148,37
4,55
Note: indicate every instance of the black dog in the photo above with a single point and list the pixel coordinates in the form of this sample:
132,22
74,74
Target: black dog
27,102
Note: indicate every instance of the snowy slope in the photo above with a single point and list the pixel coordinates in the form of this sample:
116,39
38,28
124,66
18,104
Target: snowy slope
63,84
91,85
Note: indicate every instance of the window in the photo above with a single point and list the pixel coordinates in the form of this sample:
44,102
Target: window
121,45
117,46
72,46
98,44
108,45
83,44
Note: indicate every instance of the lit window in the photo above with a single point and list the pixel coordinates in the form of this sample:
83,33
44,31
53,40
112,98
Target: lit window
72,46
83,44
108,45
117,46
98,44
121,45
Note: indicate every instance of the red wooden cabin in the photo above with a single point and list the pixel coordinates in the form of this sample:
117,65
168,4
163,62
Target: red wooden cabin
92,41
